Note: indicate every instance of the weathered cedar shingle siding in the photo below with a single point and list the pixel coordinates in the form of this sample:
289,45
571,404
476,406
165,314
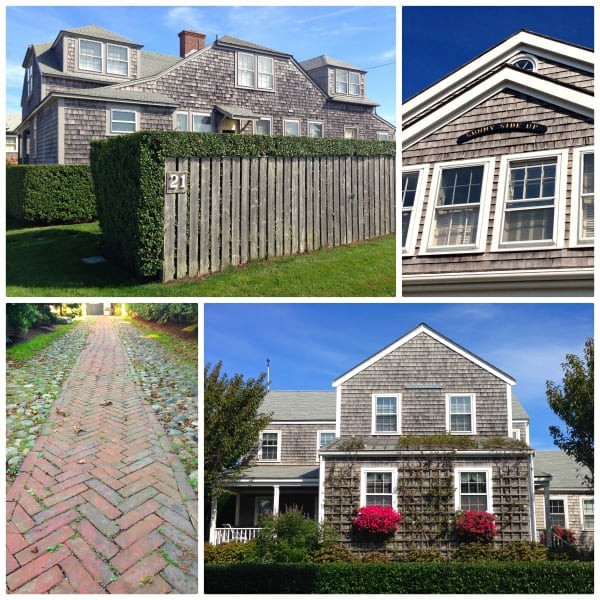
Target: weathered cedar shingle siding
566,74
82,121
422,361
47,134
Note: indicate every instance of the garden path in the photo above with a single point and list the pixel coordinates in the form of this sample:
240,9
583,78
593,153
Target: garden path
102,504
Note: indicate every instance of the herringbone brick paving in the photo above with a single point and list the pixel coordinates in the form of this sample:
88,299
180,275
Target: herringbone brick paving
101,504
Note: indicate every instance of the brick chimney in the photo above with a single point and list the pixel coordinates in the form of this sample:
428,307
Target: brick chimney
190,41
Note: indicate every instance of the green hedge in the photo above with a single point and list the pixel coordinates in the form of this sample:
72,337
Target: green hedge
128,174
402,578
50,194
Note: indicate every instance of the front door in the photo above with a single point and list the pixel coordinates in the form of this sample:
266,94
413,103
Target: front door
263,507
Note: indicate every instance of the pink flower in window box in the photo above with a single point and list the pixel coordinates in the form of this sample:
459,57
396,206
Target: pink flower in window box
476,526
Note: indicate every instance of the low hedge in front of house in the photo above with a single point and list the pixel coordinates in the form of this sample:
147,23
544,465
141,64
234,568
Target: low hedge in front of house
50,194
402,578
129,179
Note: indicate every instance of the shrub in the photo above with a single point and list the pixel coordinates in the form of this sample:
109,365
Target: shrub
50,194
417,555
473,552
128,173
165,313
375,519
375,557
233,552
332,553
522,551
476,526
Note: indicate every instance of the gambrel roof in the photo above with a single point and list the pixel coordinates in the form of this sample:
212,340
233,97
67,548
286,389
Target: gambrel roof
492,72
423,328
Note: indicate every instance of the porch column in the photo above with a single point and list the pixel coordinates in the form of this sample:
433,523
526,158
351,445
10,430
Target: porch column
213,519
237,510
547,513
275,500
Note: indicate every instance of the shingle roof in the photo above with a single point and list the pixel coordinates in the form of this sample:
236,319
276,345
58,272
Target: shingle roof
300,405
518,412
324,60
281,472
111,93
566,473
100,33
13,120
228,40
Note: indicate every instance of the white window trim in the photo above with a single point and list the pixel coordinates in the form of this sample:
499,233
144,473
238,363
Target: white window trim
319,432
309,123
524,56
269,119
473,413
565,502
103,58
16,139
559,207
582,501
270,460
297,121
484,207
574,239
488,484
29,79
353,128
79,67
115,73
187,120
363,483
398,414
255,58
201,114
413,228
383,136
123,109
516,431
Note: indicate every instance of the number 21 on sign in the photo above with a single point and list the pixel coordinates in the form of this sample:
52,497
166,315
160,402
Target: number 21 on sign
176,182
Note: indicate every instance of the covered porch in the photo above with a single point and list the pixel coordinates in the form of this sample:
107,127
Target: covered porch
263,491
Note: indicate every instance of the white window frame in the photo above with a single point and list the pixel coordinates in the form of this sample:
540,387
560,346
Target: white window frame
12,136
383,136
268,120
565,502
320,124
260,447
319,432
117,60
29,79
415,219
112,120
296,121
363,483
398,398
473,414
267,73
585,499
344,84
559,205
79,55
515,434
488,484
187,120
528,57
576,179
484,207
257,71
353,129
202,115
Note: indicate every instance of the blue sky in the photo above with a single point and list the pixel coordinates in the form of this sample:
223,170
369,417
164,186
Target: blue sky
438,39
309,345
303,31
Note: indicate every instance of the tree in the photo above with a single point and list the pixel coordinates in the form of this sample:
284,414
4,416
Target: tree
573,402
232,424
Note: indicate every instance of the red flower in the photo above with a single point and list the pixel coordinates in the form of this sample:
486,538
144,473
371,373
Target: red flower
476,526
376,519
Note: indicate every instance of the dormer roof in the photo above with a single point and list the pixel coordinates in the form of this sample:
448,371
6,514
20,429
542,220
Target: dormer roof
98,33
327,61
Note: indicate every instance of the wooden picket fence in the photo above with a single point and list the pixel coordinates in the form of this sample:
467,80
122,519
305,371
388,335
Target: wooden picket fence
225,211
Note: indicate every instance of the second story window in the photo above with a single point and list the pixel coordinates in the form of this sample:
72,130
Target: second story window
409,192
347,82
386,414
269,446
586,206
90,56
117,60
255,71
29,80
460,415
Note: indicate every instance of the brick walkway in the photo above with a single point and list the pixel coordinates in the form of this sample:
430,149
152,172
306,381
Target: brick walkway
102,504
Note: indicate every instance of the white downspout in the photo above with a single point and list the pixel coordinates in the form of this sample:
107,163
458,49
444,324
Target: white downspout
532,500
213,519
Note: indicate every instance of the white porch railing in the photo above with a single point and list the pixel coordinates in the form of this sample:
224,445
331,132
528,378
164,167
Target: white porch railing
224,535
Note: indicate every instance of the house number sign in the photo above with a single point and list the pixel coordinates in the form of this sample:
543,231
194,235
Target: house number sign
528,126
176,182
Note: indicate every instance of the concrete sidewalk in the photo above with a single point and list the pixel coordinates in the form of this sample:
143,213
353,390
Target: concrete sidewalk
102,504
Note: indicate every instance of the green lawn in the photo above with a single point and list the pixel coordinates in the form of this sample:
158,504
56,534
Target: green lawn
25,349
47,261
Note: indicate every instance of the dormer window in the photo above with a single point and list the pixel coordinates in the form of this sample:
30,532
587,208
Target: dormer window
254,71
29,80
92,58
525,62
117,61
347,82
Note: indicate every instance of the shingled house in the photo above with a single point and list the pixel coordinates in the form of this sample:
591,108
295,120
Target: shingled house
90,83
498,174
423,425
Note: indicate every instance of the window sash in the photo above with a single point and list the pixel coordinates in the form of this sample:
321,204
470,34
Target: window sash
201,123
263,127
270,446
11,143
291,128
245,69
586,210
461,414
354,84
379,488
341,81
386,414
315,130
90,56
326,437
557,512
265,73
122,121
29,78
587,508
473,490
181,120
117,59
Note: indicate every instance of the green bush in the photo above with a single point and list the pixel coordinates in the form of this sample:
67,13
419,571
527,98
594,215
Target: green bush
522,551
473,552
403,578
375,557
423,556
165,313
129,179
20,317
50,194
233,552
333,553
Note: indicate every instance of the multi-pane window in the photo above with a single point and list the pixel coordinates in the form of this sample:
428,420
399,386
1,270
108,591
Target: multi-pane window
265,73
291,128
379,488
269,445
347,82
11,143
326,437
29,79
586,207
461,413
117,59
90,56
587,508
386,414
409,192
382,136
351,133
245,70
473,490
457,206
529,210
315,129
263,127
122,121
557,512
201,123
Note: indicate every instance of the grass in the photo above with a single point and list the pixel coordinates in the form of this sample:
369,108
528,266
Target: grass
26,349
47,261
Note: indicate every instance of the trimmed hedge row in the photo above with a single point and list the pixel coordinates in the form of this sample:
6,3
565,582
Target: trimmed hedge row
402,578
50,194
128,174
